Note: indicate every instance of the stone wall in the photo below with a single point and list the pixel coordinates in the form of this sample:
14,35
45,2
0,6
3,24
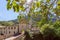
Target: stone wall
8,31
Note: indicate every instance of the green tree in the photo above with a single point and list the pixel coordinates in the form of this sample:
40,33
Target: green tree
37,9
41,7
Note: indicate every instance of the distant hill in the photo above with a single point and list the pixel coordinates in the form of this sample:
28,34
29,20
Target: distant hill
14,21
9,23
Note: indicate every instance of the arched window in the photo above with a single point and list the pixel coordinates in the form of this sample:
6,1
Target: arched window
9,32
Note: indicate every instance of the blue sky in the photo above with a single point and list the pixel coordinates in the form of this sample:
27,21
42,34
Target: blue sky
5,14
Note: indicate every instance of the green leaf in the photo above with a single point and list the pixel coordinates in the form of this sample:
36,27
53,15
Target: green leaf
21,8
38,4
14,3
58,5
9,6
9,0
47,0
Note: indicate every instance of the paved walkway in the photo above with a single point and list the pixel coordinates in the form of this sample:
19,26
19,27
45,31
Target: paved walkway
14,37
19,36
11,38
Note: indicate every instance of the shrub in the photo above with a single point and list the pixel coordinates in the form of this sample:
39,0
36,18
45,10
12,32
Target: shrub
53,29
57,28
47,29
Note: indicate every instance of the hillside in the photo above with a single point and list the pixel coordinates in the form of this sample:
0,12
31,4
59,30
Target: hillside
9,23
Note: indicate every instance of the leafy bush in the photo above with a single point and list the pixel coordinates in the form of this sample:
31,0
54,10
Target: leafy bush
57,28
47,29
53,29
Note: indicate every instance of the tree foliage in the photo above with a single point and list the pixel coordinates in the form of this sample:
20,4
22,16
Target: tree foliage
42,7
38,11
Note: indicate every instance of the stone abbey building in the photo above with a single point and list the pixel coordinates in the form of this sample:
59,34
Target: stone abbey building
8,31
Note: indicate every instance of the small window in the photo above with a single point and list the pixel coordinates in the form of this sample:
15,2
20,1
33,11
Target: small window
4,28
14,32
8,27
11,27
14,27
2,34
9,32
